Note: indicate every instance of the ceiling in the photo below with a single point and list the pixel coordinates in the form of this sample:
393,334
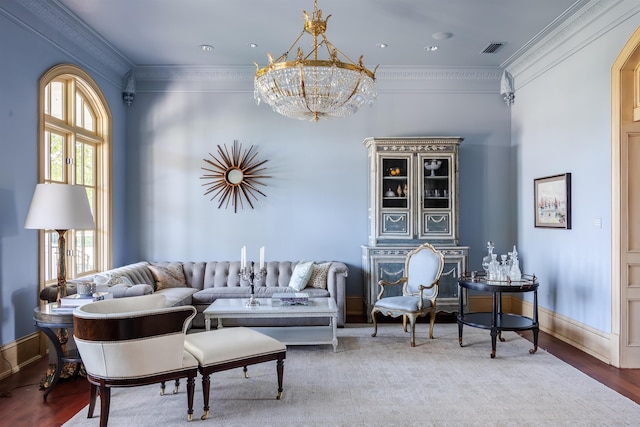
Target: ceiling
170,32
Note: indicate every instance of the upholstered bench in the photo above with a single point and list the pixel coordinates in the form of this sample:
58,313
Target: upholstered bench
229,348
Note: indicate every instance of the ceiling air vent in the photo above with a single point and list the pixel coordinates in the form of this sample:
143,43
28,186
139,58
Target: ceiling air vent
493,47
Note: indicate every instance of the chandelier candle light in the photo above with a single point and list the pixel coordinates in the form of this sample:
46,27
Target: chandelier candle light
250,275
309,88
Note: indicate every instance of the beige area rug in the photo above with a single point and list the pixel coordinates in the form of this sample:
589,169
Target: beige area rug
382,381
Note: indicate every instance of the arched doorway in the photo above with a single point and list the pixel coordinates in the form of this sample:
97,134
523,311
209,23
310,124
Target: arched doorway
625,205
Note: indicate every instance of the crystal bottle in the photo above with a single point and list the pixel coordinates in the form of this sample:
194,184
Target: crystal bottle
515,273
494,268
487,259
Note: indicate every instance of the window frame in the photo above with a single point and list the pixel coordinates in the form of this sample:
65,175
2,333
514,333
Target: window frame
100,138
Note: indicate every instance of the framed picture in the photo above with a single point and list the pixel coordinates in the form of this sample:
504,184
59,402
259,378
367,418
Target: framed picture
552,201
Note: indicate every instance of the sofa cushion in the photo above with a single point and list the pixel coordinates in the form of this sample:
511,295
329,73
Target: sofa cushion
318,277
300,275
171,276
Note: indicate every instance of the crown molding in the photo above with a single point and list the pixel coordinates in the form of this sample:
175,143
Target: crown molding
240,73
558,41
51,19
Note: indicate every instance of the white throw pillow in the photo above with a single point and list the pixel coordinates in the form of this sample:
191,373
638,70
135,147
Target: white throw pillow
110,279
300,275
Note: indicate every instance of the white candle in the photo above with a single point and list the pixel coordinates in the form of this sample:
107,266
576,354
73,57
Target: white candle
262,257
243,257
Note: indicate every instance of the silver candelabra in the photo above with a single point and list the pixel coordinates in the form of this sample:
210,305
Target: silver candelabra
250,275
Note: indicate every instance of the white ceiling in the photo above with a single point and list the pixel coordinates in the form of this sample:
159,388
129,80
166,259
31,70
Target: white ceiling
169,32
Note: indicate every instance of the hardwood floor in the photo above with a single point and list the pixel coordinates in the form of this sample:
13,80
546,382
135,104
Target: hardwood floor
21,402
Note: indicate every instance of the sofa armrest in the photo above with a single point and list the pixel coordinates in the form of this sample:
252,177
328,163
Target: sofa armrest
337,285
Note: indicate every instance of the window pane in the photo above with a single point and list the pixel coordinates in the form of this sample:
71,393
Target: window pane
47,99
89,121
84,116
85,161
89,162
84,251
51,256
55,155
78,110
57,99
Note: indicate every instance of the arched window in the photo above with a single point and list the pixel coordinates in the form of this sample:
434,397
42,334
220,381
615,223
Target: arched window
75,148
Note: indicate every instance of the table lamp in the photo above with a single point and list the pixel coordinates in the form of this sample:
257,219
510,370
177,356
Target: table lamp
60,207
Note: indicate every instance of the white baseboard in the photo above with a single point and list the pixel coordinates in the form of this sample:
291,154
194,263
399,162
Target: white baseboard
20,353
588,339
592,341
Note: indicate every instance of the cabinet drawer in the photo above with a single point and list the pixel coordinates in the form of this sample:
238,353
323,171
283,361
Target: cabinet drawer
437,223
395,223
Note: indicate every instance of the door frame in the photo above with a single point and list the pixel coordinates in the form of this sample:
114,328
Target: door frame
619,330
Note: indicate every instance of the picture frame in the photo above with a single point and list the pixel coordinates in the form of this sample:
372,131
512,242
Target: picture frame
552,201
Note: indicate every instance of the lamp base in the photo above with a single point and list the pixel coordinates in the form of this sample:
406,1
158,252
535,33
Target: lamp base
62,292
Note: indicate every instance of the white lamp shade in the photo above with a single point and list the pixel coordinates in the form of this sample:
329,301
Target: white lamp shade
59,207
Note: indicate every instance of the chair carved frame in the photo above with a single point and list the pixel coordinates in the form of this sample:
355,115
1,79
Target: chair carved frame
410,314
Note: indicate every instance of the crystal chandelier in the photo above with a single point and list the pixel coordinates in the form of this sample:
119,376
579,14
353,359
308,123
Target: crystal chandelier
309,88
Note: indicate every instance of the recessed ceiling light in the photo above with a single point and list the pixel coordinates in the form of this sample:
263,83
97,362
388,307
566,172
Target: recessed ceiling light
381,45
252,45
431,48
441,35
206,47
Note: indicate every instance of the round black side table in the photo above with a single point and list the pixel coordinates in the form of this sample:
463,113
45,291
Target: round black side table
497,321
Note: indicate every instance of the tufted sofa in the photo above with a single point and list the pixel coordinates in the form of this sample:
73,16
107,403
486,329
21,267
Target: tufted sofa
204,282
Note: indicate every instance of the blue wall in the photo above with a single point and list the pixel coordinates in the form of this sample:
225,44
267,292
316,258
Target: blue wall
26,55
561,123
316,204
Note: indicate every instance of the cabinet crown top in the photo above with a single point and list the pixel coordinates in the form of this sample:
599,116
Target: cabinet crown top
413,140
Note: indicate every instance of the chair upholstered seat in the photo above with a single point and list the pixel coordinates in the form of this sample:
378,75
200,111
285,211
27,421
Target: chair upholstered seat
229,348
423,267
407,303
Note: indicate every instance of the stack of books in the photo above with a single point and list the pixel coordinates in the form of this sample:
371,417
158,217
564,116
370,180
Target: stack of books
298,298
69,303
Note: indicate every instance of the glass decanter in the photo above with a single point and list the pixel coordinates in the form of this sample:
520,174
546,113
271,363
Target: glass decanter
514,272
494,268
487,259
504,268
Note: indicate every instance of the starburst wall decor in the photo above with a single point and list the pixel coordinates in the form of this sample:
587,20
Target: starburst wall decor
233,176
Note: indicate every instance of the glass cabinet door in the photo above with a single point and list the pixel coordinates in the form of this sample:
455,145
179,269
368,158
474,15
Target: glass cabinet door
397,195
435,180
395,182
437,196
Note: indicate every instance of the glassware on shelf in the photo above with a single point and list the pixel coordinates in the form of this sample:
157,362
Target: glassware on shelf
432,166
514,272
504,268
487,259
494,268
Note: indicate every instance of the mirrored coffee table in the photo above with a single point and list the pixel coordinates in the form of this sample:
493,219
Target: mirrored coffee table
235,308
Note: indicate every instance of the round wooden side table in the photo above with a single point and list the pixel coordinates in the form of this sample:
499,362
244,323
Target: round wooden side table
53,324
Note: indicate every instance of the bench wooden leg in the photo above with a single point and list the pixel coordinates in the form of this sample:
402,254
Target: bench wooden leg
280,369
206,384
